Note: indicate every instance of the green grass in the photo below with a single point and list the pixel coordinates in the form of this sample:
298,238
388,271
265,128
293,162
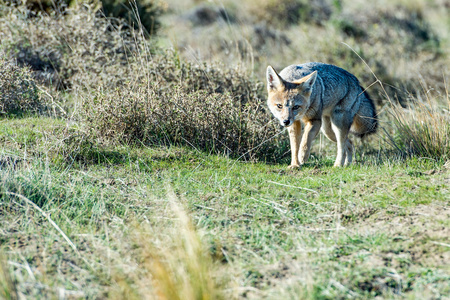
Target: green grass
373,229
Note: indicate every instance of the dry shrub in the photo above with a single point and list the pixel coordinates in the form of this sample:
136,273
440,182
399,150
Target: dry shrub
143,13
213,122
68,50
19,94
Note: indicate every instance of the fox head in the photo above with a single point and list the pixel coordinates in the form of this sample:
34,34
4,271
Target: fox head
288,101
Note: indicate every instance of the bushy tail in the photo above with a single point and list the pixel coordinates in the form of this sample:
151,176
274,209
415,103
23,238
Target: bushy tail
365,121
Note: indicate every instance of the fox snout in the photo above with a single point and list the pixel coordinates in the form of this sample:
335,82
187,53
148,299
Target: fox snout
286,123
286,118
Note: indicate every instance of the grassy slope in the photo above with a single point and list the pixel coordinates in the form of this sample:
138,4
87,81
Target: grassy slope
370,229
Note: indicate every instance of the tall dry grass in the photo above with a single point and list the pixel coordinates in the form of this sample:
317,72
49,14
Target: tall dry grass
422,128
173,264
8,290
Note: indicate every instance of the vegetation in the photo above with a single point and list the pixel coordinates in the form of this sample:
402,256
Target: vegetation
148,167
18,92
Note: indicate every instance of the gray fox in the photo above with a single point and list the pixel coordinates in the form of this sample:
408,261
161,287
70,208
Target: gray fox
321,96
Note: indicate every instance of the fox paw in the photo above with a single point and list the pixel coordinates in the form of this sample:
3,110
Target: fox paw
294,167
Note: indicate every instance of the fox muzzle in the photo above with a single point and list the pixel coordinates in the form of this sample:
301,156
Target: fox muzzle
286,123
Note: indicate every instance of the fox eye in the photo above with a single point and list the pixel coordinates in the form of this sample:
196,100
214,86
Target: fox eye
296,107
279,106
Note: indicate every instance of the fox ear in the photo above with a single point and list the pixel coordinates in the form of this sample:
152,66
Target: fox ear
274,80
306,83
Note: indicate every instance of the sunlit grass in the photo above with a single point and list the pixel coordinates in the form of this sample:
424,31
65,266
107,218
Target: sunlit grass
422,129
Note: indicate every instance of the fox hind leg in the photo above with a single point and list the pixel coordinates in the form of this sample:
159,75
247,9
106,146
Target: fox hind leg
349,152
329,133
340,124
327,130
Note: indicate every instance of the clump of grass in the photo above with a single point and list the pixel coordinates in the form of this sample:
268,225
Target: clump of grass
19,94
177,264
423,128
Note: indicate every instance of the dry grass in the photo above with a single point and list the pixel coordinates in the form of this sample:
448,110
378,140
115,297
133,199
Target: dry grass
8,289
186,271
422,129
173,264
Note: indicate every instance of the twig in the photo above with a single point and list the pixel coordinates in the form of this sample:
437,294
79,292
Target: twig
53,102
46,216
274,205
304,201
441,244
204,207
297,187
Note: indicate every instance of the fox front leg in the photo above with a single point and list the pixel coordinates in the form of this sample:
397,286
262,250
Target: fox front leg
294,138
312,128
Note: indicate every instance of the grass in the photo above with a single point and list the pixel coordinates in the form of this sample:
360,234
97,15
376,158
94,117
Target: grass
422,129
375,228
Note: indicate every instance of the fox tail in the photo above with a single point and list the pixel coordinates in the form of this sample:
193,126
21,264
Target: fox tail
365,121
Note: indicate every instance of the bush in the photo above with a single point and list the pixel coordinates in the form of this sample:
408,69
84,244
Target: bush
136,13
77,49
169,71
19,94
217,123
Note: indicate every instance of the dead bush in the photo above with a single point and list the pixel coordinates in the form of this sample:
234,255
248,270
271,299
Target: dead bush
19,94
68,50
